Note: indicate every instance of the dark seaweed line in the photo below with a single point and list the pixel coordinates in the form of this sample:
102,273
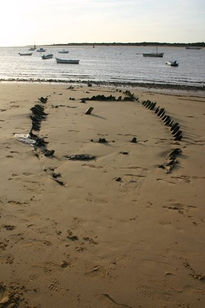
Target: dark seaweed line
112,83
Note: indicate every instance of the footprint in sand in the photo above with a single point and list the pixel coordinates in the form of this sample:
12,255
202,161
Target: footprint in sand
135,175
15,202
71,236
176,207
183,178
187,179
80,249
180,208
89,240
3,244
105,297
92,166
96,271
9,260
9,227
164,180
135,167
54,286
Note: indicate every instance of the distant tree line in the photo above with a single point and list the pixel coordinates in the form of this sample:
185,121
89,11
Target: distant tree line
197,44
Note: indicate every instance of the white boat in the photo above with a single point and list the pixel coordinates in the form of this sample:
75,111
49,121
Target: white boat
154,54
67,61
172,63
48,56
25,53
41,49
63,51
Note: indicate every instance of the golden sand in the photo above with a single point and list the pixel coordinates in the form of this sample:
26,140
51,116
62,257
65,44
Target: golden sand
115,231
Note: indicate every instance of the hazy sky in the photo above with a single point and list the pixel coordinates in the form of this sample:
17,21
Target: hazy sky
25,22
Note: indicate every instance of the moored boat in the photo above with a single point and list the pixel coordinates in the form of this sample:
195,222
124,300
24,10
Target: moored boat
63,51
158,55
172,63
49,56
67,61
25,53
41,49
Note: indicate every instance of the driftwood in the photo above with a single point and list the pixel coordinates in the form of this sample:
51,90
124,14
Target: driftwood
80,157
90,109
43,99
134,140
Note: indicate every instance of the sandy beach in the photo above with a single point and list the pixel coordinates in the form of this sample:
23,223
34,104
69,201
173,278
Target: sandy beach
123,226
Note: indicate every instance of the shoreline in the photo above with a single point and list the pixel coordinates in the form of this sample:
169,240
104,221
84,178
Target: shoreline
146,85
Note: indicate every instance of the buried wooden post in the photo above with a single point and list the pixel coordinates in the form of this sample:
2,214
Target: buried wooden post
90,109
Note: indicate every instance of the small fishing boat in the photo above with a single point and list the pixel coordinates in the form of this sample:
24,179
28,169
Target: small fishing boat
153,54
67,61
172,63
41,49
25,53
48,56
63,51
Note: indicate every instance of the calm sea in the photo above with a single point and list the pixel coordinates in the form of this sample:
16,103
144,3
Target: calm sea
108,64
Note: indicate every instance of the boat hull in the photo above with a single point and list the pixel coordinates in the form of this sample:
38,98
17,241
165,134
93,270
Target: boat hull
25,54
67,61
154,55
45,57
41,50
174,64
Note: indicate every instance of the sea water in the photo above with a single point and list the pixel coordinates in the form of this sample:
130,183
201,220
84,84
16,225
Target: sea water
120,64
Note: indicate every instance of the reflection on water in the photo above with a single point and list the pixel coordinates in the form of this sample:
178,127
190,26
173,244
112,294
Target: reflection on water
107,63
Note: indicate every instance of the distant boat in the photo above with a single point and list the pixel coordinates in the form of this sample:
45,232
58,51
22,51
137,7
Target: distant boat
153,54
41,49
172,63
193,47
49,56
33,48
63,51
25,53
67,61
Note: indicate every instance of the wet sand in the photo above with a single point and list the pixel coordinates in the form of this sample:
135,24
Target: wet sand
120,230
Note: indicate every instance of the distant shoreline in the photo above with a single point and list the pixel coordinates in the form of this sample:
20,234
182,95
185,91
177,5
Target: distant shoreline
141,44
131,44
197,44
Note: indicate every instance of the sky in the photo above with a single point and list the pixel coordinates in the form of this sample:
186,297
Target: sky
25,22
